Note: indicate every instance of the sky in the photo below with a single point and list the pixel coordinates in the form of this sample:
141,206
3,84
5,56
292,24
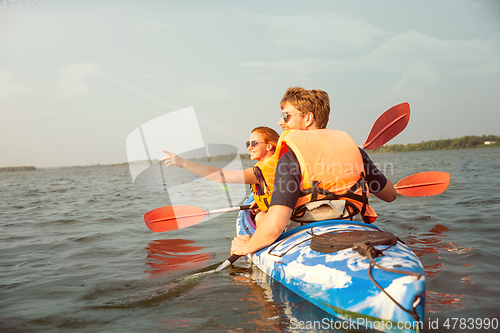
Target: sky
78,77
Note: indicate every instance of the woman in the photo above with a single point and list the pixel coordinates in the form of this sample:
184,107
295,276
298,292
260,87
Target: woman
261,145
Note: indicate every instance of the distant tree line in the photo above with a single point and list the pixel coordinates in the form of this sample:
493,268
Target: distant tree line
222,157
94,166
21,168
465,142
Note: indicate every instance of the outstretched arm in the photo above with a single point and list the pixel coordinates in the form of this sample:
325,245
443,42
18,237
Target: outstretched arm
245,176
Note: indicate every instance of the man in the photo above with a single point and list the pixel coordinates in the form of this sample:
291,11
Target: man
299,155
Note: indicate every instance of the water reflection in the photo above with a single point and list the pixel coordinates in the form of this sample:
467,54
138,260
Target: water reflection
437,302
275,308
430,247
171,255
264,309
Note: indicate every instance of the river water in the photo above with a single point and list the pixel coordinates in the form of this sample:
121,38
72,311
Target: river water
75,254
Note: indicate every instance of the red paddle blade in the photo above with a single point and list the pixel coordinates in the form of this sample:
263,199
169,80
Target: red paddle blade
388,125
174,217
423,184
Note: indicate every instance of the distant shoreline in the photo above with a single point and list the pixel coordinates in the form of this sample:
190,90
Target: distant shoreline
467,142
19,168
228,157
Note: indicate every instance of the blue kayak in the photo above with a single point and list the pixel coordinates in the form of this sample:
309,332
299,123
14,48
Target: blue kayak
386,293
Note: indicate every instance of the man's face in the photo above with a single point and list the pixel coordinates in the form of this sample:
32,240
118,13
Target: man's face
295,119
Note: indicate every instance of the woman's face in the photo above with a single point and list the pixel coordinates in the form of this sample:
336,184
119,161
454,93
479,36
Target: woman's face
258,151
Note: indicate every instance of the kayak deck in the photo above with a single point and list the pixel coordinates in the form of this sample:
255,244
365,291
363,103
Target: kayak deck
339,282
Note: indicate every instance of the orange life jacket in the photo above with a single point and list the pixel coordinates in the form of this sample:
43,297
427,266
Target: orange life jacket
331,166
263,190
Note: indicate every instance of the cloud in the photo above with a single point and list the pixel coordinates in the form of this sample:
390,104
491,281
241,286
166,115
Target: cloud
318,31
304,65
75,80
144,94
144,75
266,78
412,47
397,54
206,91
416,59
150,24
483,69
10,89
420,60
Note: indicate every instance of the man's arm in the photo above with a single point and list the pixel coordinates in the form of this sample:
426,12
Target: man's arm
271,225
378,184
388,193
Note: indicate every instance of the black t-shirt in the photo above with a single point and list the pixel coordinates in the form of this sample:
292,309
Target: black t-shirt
288,179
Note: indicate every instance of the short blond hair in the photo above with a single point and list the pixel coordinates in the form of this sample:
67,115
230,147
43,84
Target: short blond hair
315,101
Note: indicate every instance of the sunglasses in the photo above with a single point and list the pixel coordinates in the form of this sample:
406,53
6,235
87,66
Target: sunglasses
286,116
261,186
252,143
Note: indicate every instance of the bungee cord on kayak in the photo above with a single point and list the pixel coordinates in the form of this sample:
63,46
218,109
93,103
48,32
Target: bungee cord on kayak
364,243
367,249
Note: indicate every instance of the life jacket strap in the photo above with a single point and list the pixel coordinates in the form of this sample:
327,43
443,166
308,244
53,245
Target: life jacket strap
266,202
315,190
365,197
